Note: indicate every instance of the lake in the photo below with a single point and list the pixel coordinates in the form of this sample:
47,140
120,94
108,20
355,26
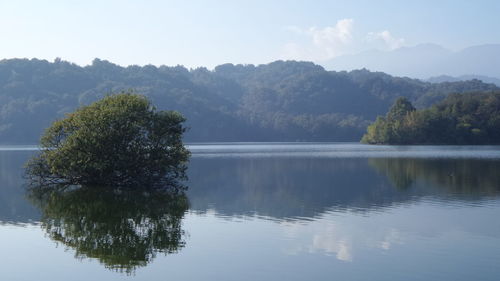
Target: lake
269,211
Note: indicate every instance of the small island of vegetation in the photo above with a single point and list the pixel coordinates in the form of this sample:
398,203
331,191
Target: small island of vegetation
120,140
468,118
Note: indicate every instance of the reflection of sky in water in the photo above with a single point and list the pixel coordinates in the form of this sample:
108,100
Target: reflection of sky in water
449,241
325,238
347,236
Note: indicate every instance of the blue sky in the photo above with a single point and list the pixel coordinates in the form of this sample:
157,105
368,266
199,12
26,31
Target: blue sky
208,33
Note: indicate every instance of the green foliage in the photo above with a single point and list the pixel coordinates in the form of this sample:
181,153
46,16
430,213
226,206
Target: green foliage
121,140
471,118
402,107
279,101
388,129
122,229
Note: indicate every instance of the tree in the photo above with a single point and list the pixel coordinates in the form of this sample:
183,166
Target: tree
401,107
392,128
378,132
120,140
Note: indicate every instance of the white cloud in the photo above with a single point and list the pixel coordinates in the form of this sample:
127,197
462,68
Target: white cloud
323,238
330,244
322,44
333,39
385,36
326,43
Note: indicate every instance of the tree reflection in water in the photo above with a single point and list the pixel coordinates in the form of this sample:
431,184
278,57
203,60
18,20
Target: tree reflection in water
472,177
123,229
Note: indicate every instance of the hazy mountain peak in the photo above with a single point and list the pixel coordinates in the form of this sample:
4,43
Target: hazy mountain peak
423,47
493,47
425,60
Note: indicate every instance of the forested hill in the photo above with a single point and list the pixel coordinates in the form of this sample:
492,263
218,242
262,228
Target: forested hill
280,101
468,118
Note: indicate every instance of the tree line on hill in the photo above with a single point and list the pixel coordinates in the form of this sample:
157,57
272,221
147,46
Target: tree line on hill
468,118
279,101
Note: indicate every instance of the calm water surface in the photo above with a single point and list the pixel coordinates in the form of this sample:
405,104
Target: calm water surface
269,211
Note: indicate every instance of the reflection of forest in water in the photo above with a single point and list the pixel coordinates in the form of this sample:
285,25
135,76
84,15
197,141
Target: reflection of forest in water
296,187
123,229
467,177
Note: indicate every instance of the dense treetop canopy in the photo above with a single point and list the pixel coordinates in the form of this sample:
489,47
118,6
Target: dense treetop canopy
283,100
121,140
470,118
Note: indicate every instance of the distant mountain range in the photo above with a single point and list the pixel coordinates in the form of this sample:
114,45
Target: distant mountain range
424,61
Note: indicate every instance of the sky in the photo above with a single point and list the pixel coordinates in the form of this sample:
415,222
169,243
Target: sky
209,32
